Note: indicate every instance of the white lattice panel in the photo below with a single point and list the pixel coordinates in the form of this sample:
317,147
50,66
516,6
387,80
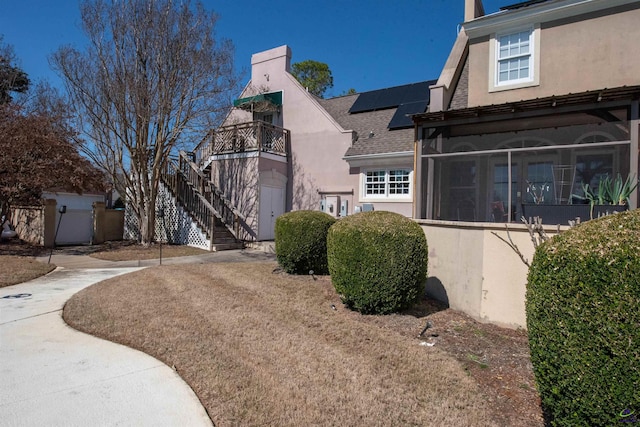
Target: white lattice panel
176,227
131,226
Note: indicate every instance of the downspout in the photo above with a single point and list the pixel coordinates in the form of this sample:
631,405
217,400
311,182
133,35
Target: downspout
416,200
634,149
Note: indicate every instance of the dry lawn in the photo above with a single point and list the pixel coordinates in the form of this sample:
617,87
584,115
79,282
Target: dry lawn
17,264
264,348
18,269
126,251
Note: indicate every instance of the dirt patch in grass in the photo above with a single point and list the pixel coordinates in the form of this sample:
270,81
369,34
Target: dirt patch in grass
126,251
497,358
18,269
262,348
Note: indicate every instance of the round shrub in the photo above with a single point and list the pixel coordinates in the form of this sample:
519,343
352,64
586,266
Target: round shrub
301,241
583,320
377,261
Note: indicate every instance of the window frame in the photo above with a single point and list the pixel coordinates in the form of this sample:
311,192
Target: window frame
387,183
534,60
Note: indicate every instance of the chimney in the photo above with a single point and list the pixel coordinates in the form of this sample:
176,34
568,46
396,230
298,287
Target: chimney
473,9
280,55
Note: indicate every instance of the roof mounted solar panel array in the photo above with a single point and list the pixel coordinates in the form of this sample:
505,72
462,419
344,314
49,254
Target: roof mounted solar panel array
391,97
365,102
402,117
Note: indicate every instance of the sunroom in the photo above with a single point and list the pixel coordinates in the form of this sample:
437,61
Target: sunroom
497,163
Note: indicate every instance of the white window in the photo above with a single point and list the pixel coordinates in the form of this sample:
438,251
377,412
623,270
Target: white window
514,57
387,183
514,60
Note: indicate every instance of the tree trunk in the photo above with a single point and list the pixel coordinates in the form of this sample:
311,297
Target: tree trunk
147,220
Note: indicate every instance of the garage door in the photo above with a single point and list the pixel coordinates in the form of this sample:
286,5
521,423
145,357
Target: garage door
76,227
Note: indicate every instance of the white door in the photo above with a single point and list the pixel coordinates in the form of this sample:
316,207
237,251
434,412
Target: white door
75,227
271,207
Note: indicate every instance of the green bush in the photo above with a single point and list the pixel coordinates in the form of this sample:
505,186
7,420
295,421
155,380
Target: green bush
301,241
377,261
583,319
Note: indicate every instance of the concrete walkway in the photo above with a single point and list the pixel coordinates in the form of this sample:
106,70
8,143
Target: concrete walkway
75,258
53,375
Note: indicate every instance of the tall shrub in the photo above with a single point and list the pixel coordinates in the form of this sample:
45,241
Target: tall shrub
377,261
583,319
301,241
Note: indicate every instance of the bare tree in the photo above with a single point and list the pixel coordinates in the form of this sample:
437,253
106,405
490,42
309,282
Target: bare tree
152,77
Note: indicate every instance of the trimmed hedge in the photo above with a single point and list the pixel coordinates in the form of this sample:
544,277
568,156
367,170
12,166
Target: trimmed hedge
377,261
583,320
301,241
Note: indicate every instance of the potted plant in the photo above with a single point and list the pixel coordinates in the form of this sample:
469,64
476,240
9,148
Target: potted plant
612,195
545,208
551,213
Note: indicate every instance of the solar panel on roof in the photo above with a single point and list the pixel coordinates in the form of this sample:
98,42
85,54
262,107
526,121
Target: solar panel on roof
418,92
391,97
366,101
402,117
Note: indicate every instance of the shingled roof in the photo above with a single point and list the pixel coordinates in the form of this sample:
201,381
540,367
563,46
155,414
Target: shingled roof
371,127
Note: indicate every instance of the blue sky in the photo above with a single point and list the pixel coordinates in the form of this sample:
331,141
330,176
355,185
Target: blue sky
368,44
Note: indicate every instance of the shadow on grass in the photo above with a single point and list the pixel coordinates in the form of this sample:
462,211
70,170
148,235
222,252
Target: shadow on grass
17,247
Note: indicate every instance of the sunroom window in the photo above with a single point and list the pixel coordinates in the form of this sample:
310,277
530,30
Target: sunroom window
504,173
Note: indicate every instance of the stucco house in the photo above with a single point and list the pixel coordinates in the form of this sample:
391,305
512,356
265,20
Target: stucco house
281,148
533,101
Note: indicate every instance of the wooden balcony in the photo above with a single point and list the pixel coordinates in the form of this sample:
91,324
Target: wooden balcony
244,137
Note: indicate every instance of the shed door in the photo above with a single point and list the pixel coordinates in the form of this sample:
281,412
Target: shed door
271,207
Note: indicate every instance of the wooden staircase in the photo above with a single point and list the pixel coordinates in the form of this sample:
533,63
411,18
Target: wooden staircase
206,205
223,238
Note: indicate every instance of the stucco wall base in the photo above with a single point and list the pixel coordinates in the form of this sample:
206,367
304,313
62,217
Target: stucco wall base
475,272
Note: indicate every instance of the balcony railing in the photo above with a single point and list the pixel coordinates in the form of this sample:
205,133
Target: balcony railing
244,137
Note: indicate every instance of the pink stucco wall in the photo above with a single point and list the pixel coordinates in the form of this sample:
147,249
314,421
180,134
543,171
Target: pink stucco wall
318,143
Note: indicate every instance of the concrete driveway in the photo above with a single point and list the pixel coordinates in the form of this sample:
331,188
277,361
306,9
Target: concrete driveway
53,375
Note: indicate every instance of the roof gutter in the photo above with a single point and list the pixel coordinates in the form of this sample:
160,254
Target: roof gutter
377,156
537,13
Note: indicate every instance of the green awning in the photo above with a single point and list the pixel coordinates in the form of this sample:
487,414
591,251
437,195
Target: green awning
264,101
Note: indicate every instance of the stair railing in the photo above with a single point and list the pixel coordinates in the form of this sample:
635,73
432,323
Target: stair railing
186,195
200,197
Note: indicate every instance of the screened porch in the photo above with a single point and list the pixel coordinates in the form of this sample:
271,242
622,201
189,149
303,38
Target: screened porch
495,167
